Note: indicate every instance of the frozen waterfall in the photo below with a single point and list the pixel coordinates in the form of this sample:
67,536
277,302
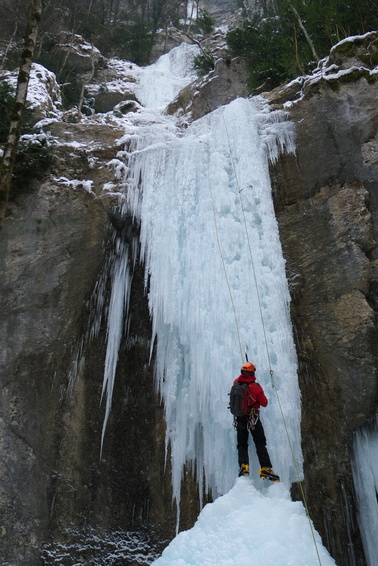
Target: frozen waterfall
216,275
365,476
161,81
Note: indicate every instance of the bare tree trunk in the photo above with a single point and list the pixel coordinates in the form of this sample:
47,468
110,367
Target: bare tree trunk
191,18
10,150
111,11
87,81
5,54
296,51
308,38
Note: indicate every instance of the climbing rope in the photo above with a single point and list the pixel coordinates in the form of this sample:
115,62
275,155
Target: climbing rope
218,238
240,190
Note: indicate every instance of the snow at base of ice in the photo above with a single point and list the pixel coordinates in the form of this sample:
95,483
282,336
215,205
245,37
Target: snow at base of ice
247,528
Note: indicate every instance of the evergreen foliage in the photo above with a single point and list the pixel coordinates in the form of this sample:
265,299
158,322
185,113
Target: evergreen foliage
204,23
132,41
33,155
203,63
7,100
276,48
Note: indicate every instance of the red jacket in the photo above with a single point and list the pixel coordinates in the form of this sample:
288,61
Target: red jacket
256,395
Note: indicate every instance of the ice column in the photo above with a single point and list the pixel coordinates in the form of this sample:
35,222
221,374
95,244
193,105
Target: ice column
117,321
210,243
365,477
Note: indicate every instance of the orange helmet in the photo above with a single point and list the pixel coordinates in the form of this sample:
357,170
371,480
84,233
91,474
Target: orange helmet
248,367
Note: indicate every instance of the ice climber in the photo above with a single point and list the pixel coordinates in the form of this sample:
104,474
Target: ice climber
252,399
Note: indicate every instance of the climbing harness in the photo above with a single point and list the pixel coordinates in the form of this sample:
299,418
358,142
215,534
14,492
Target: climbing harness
254,416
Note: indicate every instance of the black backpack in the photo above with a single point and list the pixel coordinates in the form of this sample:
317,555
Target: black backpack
238,399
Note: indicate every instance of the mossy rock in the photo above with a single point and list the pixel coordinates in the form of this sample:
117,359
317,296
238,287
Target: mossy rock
359,50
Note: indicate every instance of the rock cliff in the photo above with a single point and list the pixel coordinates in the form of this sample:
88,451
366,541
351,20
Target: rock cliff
55,487
326,204
56,490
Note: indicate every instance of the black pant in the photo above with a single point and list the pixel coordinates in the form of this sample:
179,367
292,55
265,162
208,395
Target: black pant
259,439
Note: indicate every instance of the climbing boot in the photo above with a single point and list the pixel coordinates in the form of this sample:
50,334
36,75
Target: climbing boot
268,474
244,470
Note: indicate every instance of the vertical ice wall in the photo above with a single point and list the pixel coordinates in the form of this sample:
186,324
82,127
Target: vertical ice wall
210,244
365,477
161,81
215,274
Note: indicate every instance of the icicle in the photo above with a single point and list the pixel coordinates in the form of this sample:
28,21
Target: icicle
117,314
365,477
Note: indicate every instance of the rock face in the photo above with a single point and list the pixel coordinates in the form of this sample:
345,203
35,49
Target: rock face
44,97
326,204
222,85
55,488
220,9
76,53
45,280
114,83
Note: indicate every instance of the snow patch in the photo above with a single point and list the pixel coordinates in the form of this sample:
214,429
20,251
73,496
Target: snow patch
352,39
43,94
75,184
251,529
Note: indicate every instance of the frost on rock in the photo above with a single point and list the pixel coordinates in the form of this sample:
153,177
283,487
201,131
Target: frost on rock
76,184
43,96
43,87
100,549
